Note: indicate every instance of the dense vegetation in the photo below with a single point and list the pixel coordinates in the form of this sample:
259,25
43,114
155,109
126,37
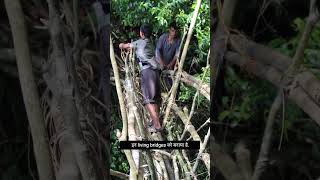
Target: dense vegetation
128,16
294,151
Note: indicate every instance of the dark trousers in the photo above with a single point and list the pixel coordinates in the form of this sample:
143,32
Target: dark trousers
150,86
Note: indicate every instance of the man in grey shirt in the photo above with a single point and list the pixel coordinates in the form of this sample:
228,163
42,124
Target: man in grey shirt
167,51
150,75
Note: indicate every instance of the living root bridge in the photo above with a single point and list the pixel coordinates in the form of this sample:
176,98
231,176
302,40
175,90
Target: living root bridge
159,164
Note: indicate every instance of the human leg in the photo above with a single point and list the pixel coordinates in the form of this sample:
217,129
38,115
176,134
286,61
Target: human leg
153,110
150,84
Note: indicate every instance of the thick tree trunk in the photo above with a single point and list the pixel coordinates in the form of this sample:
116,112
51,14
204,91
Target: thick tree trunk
219,42
106,86
29,90
60,81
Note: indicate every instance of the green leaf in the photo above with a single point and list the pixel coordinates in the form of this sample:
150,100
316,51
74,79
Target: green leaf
223,115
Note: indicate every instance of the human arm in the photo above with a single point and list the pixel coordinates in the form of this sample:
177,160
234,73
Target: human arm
176,56
134,44
161,62
131,45
124,45
172,63
158,52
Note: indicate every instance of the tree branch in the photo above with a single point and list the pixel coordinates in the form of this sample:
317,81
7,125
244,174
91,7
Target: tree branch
203,88
202,148
124,133
119,174
243,159
298,92
225,163
266,140
292,70
8,55
181,63
260,55
194,134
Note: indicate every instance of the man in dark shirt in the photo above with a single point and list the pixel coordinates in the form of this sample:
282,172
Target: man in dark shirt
167,51
150,75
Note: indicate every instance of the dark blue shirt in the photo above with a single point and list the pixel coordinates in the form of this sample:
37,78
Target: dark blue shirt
167,50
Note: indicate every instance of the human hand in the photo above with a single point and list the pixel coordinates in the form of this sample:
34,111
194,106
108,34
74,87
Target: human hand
170,66
161,66
125,46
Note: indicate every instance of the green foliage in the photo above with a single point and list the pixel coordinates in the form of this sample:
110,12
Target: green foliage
187,93
157,13
118,159
202,30
312,52
243,104
249,99
127,17
311,62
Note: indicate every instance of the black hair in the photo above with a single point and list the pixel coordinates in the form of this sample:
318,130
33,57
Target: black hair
146,29
173,25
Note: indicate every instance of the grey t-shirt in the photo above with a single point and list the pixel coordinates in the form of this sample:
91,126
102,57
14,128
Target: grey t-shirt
145,53
166,50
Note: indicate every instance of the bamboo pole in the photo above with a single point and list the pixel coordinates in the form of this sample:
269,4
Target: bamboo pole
124,133
123,110
202,148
